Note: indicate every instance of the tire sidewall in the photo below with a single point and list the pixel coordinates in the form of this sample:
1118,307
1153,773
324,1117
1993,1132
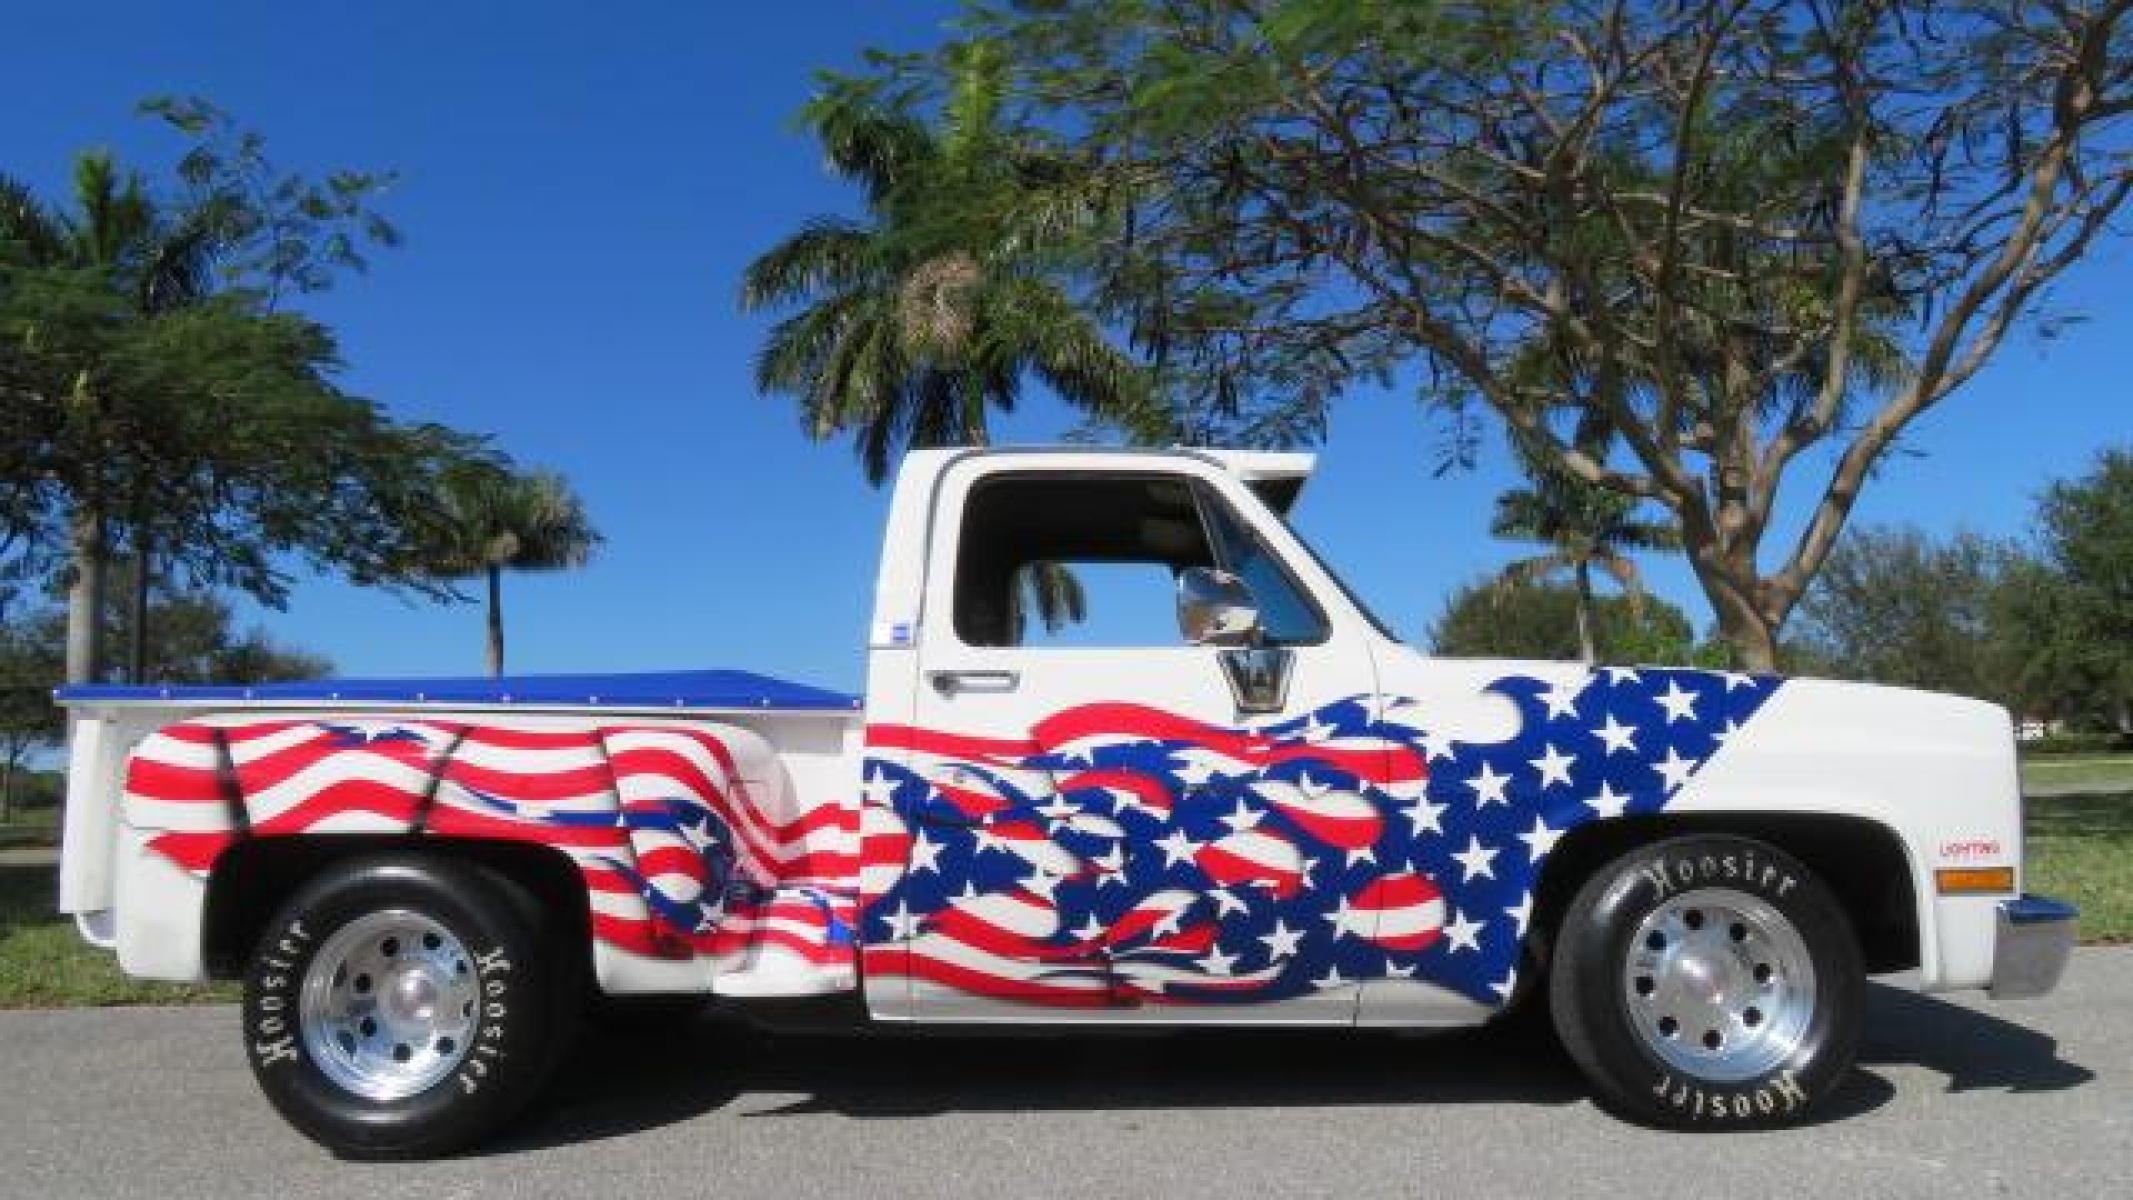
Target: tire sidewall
1606,920
505,1058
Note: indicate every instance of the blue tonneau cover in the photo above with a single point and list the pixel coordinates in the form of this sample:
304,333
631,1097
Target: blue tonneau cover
651,689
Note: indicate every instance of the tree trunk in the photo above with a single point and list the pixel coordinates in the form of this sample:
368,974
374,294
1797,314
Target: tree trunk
1585,644
1749,634
137,611
496,620
85,599
7,790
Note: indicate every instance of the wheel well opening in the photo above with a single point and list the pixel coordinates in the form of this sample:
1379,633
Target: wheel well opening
1861,861
252,880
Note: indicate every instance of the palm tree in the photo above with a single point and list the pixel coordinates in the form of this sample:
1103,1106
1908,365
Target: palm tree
497,520
1584,526
935,309
158,261
917,321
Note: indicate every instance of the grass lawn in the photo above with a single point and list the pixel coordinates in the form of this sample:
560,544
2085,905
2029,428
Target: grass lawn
44,963
2095,772
2081,849
31,827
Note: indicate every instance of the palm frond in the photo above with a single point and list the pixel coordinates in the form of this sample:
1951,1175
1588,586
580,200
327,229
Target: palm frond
1053,591
828,254
881,151
35,233
1645,535
1529,571
178,266
1072,356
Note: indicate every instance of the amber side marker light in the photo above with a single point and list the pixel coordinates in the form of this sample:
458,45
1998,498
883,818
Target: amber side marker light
1970,881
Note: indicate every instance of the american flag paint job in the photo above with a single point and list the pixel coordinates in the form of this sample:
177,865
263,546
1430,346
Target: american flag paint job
689,845
1119,856
1122,855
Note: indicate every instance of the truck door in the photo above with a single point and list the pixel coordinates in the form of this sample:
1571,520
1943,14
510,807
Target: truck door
1105,818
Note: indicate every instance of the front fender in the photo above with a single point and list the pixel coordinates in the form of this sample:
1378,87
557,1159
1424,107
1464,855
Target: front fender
1937,770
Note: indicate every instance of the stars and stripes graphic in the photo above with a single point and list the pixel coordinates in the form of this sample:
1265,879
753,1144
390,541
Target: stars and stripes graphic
688,846
1122,855
1116,855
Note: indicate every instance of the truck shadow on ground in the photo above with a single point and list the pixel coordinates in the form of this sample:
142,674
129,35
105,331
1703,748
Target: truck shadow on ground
619,1082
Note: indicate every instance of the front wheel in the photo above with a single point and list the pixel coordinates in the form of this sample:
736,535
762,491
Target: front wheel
1708,982
403,1007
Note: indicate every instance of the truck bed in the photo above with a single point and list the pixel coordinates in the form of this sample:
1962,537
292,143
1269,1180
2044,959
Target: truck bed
712,814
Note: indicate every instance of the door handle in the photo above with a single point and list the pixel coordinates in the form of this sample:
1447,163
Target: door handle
949,683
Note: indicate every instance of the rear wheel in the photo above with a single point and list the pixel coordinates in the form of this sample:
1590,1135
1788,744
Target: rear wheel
405,1007
1708,982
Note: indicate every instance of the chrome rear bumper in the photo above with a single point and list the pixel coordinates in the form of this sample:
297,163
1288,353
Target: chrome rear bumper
2033,938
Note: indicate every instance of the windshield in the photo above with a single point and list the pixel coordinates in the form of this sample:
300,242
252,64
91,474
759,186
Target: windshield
1369,615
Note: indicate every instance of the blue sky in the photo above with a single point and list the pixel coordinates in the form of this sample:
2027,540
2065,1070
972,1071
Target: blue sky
581,185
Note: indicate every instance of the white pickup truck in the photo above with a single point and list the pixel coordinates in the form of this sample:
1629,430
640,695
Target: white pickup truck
1269,812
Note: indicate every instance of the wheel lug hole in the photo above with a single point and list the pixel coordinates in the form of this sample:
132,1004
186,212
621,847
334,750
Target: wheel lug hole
1655,940
369,1027
1762,972
1693,918
1668,1027
431,941
1738,932
1645,985
390,947
445,1045
402,1052
1752,1017
362,984
1712,1039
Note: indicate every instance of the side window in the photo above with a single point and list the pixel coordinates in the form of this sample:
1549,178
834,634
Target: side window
1070,560
1286,612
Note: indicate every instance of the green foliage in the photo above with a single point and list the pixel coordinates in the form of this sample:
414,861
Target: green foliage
915,322
1896,605
1744,243
1585,527
275,231
1490,619
191,638
2073,606
2047,631
493,519
2077,744
29,666
157,397
497,517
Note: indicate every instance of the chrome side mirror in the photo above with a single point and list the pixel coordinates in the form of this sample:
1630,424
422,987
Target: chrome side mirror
1215,608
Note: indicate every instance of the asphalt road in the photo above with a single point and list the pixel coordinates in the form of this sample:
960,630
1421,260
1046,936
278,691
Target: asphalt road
1951,1099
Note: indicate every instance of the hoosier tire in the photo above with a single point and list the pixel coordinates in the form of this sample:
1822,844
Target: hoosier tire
1708,982
405,1006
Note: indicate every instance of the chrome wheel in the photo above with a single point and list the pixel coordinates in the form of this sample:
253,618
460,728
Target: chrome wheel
388,1004
1719,985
